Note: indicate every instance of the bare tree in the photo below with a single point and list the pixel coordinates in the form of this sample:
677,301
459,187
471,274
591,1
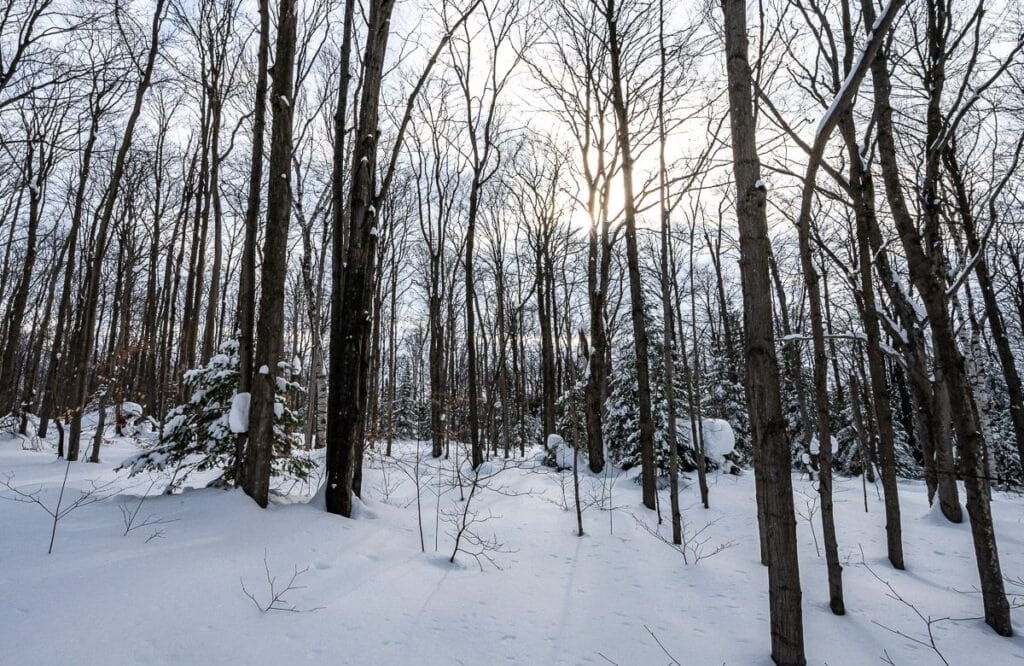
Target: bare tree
774,486
269,334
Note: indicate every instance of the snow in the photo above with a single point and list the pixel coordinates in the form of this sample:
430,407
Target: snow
815,445
833,107
556,599
561,453
719,439
238,417
853,73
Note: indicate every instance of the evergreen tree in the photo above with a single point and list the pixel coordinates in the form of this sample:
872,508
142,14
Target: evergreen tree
723,399
622,426
199,435
411,414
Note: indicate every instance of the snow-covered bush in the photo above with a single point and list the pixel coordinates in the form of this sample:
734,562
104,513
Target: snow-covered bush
558,453
719,443
724,398
200,435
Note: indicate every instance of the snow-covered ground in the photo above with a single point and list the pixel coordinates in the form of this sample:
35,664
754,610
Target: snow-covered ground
172,591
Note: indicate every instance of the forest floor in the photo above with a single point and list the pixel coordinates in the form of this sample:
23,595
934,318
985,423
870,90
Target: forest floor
526,591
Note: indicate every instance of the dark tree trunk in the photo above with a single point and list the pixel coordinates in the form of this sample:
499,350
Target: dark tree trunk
246,311
547,344
597,255
476,449
862,193
270,322
35,177
350,314
619,104
768,428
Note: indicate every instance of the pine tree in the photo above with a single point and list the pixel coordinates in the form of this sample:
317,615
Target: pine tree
622,427
723,399
199,435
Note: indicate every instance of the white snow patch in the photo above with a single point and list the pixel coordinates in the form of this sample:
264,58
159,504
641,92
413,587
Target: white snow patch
558,599
719,439
560,451
238,417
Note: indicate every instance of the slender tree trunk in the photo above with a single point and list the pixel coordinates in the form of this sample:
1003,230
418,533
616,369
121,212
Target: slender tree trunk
594,392
768,428
270,324
632,259
668,316
696,413
547,344
476,448
209,327
246,309
862,193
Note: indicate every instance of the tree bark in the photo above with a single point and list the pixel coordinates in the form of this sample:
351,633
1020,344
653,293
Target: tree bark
270,322
350,322
768,428
927,272
246,310
619,104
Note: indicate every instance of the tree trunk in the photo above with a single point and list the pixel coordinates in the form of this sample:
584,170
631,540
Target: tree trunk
35,175
927,272
270,322
350,322
768,428
246,309
668,316
624,138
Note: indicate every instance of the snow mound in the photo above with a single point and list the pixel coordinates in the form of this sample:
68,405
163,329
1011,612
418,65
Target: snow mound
719,439
559,454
